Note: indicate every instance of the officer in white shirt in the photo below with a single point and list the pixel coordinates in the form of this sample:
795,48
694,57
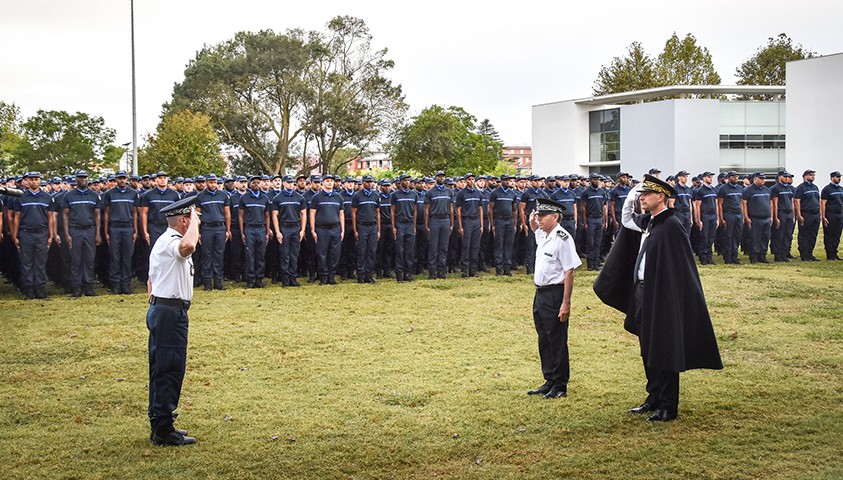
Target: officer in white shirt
556,259
170,288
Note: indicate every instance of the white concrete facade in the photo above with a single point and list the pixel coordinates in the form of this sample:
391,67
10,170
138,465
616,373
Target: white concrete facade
814,103
690,133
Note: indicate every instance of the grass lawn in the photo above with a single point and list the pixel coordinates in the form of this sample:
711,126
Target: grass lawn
426,380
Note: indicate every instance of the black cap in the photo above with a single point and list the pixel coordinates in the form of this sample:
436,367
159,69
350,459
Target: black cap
182,207
506,177
368,178
81,173
439,173
654,170
546,205
806,172
467,175
681,173
595,176
287,178
403,176
655,185
315,178
621,174
835,174
731,173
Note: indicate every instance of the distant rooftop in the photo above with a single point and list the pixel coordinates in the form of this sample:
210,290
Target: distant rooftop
681,91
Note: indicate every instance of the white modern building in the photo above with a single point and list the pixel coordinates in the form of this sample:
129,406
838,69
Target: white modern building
698,128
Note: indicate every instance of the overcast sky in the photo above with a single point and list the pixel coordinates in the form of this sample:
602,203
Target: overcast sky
495,59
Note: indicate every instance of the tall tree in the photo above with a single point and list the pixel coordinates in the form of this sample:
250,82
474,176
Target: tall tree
350,101
444,139
59,143
683,62
11,136
486,128
635,71
184,145
767,65
252,87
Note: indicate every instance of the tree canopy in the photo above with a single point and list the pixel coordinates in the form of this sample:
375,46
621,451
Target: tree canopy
265,91
445,139
767,65
635,71
185,145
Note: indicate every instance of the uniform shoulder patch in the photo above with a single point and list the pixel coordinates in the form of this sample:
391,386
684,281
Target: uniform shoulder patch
562,234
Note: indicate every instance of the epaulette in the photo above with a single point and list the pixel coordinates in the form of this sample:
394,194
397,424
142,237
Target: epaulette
562,234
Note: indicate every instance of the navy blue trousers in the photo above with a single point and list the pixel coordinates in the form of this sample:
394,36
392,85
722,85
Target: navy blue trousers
781,238
405,248
167,359
288,253
33,259
437,247
328,242
594,239
759,236
367,247
213,251
707,234
732,237
120,250
82,256
807,237
831,234
504,239
255,253
470,245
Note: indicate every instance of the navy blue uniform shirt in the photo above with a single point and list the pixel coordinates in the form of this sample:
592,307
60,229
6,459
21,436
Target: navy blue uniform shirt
595,199
569,198
367,205
234,199
757,201
213,205
784,193
809,197
156,199
504,199
708,199
732,196
439,198
81,205
470,200
347,196
528,198
618,195
682,200
34,209
121,203
289,206
328,208
254,206
385,201
420,207
833,196
404,202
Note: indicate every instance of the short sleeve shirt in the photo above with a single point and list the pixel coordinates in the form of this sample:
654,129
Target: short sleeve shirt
170,273
556,253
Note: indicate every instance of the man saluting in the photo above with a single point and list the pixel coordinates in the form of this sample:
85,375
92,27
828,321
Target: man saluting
170,292
650,275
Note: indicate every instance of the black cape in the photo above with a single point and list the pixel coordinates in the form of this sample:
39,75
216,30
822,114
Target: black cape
675,330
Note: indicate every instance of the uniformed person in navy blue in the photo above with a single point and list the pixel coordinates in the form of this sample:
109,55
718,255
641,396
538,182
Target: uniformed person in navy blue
81,210
327,223
617,195
502,216
730,214
121,232
215,208
525,207
439,215
289,212
806,205
404,228
758,216
781,235
348,250
567,195
33,230
366,222
236,246
705,208
682,202
556,260
422,238
170,289
469,225
307,258
593,206
255,227
831,211
385,256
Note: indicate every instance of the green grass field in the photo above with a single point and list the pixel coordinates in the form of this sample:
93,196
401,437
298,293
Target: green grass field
425,380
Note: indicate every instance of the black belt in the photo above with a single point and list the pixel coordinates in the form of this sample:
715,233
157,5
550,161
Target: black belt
441,216
33,230
212,224
734,213
547,288
470,218
169,302
812,212
401,220
81,226
590,215
261,225
682,210
327,225
369,224
834,212
160,224
120,224
290,224
568,218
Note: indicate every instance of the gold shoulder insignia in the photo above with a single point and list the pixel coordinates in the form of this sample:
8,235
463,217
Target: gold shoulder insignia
562,234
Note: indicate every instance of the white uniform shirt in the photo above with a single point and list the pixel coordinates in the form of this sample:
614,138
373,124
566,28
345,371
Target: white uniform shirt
170,273
628,222
556,253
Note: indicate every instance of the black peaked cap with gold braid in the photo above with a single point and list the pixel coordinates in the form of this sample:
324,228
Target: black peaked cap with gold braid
653,184
546,205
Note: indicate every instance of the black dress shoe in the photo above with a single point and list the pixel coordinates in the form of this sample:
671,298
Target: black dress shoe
541,390
643,408
173,439
662,415
558,391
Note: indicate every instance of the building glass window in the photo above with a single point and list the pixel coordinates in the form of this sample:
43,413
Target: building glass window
604,129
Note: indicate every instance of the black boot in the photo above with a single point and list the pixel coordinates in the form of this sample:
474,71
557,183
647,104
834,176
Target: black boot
40,293
88,290
76,292
218,284
127,289
206,282
294,282
250,282
259,283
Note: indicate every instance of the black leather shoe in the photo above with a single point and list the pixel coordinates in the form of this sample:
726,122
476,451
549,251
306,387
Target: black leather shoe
662,415
643,408
173,439
558,391
40,294
541,390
